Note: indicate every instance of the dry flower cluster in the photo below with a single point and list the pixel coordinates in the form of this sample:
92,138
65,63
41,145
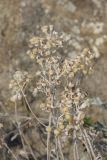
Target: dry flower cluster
66,108
19,81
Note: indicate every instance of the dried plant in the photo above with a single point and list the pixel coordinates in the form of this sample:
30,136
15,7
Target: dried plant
65,102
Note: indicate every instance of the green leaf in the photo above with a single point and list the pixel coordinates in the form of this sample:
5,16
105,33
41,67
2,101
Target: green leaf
88,121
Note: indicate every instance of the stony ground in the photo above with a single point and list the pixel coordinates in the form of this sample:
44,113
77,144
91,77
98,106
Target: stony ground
84,22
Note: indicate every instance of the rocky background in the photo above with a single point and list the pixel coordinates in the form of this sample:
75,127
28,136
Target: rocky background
84,23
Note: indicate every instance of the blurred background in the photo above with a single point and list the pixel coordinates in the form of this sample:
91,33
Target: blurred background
83,21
